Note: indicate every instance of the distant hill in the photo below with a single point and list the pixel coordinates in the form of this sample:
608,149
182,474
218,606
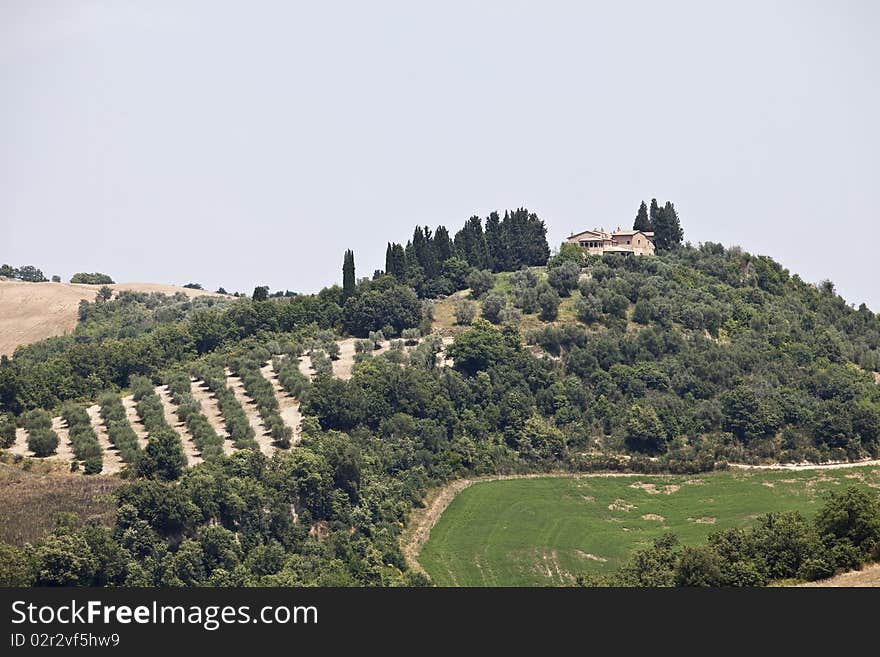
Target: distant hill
30,312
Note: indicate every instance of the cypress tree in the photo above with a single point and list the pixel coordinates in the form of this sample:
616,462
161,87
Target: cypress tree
442,245
642,222
655,210
667,228
495,242
348,274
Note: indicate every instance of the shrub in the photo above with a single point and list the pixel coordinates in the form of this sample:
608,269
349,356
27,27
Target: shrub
480,281
548,301
42,440
7,431
411,336
91,279
465,311
492,306
588,309
564,277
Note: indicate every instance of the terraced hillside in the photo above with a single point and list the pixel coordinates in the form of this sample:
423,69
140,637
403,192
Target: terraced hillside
177,413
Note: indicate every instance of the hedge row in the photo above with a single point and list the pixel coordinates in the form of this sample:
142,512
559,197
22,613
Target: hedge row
118,428
237,426
42,440
290,377
189,410
83,438
261,391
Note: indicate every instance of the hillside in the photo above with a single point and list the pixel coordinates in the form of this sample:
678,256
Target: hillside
300,432
30,312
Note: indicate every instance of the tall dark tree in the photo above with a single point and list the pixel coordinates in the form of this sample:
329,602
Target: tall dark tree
667,228
348,283
442,245
642,222
395,260
470,243
495,242
655,210
261,293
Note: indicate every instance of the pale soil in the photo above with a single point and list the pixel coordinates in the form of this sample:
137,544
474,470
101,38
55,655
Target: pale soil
193,457
113,462
63,454
250,410
869,576
131,415
342,368
211,410
30,312
796,467
288,407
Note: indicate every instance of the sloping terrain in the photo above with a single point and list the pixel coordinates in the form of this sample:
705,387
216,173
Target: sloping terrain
30,312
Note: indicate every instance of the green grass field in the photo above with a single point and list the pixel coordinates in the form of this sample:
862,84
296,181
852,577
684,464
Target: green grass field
544,531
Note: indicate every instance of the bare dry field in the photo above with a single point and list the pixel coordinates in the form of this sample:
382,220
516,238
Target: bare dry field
89,498
30,312
869,576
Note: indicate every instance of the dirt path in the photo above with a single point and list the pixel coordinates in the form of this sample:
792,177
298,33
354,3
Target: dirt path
288,406
113,463
189,447
211,411
253,415
869,576
137,426
796,467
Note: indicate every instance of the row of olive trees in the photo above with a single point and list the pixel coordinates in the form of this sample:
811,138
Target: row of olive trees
42,439
237,426
118,428
290,377
263,394
83,438
189,411
164,457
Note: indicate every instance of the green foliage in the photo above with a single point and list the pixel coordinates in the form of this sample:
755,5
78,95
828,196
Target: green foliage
480,281
263,395
667,228
548,302
642,222
261,293
465,311
564,277
492,306
236,423
348,281
118,428
189,412
42,440
83,438
91,279
381,303
7,431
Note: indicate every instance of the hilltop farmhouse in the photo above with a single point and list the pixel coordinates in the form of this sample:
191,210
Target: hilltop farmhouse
626,242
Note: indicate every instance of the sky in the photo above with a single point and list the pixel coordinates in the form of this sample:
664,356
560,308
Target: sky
246,143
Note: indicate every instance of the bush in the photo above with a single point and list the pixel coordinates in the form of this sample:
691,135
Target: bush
588,309
493,304
464,311
480,281
7,431
564,277
411,336
548,301
91,279
42,442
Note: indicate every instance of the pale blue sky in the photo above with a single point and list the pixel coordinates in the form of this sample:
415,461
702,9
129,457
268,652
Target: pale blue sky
253,142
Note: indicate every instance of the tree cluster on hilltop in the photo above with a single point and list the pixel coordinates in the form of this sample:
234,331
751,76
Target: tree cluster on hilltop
433,264
662,221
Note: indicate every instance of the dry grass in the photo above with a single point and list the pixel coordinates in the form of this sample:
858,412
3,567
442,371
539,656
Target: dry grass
33,311
33,499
